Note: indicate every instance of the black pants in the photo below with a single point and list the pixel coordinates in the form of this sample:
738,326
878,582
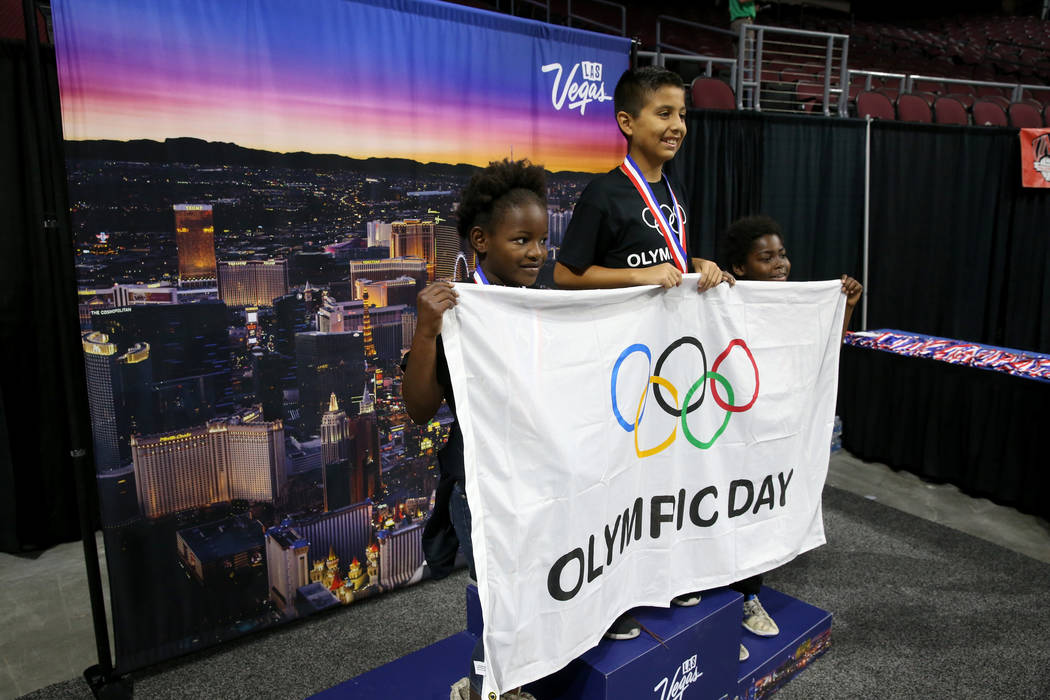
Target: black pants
749,586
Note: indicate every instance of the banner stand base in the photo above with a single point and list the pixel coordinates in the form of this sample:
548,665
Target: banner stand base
698,656
106,686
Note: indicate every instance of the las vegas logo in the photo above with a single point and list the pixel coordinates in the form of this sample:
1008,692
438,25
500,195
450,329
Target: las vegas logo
582,86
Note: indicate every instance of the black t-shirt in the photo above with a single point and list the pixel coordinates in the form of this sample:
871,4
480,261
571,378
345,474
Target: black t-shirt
611,226
450,457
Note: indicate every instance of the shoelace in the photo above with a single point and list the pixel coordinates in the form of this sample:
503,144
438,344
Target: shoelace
648,631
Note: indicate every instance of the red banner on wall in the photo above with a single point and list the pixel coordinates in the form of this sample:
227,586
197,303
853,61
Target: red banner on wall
1035,157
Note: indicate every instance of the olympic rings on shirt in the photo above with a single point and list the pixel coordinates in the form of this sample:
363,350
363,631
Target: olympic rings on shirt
687,405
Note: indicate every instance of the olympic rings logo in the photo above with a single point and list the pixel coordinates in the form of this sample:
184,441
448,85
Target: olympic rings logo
687,404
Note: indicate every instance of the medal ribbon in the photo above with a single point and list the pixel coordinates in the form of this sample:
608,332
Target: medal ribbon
676,244
479,276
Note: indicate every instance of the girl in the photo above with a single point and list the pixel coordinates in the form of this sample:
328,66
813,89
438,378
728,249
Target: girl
503,214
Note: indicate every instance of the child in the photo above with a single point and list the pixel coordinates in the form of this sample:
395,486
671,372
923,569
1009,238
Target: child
503,213
755,251
628,228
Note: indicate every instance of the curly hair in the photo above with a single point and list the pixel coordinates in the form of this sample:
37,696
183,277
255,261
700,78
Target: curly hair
492,191
743,232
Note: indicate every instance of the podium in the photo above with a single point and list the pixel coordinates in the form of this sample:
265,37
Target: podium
695,657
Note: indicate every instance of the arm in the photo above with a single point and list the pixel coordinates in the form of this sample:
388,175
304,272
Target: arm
710,275
420,388
852,289
597,277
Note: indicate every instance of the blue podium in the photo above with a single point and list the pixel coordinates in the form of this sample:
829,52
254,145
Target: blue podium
696,656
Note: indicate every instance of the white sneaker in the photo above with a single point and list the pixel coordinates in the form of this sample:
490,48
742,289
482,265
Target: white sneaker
757,620
744,653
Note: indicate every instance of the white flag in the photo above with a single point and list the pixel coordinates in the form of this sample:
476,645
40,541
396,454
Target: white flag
626,446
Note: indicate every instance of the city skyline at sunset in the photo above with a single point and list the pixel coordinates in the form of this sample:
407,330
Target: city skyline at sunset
273,78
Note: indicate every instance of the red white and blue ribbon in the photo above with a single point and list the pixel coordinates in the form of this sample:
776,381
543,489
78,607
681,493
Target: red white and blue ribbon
479,276
676,244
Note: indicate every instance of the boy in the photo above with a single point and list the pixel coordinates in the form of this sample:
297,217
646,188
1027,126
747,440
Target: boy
628,228
755,250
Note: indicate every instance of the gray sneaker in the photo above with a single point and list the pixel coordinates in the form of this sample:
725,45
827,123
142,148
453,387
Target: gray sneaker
757,620
686,600
744,653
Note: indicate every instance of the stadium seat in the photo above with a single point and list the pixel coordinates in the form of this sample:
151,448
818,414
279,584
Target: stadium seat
965,99
712,93
913,108
1024,116
947,110
876,105
988,113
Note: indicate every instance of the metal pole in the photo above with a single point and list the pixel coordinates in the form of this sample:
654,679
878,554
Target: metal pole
867,224
56,223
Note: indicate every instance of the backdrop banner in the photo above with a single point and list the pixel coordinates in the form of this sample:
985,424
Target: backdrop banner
259,189
626,446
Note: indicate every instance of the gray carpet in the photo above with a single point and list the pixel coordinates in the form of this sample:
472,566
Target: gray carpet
921,611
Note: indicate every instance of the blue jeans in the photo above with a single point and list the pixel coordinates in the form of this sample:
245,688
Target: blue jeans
459,511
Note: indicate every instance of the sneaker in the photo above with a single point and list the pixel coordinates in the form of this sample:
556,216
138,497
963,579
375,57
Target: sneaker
625,627
686,600
744,653
757,620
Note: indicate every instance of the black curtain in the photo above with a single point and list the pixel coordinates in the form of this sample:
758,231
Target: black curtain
812,183
718,165
947,423
805,172
43,410
958,248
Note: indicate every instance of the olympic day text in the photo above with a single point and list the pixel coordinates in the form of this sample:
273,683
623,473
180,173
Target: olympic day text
662,516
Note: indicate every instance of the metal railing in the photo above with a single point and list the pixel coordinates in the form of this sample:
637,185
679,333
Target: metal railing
621,30
542,4
661,44
708,62
819,61
906,83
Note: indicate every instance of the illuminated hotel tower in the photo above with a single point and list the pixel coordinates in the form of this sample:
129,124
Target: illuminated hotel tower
378,270
195,240
252,282
370,346
209,464
337,449
454,256
413,238
118,386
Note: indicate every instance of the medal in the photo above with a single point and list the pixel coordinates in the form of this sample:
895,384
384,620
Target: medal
676,244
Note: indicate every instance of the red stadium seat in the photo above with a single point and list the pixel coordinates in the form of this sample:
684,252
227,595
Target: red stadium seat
876,105
1024,116
947,110
913,108
988,113
966,100
712,93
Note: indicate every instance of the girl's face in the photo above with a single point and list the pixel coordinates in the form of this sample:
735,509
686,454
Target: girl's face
515,247
766,261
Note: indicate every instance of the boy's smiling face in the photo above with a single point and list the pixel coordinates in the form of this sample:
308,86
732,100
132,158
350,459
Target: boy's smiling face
658,130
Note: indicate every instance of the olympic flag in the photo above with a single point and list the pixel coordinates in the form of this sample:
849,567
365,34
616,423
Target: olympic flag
626,446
